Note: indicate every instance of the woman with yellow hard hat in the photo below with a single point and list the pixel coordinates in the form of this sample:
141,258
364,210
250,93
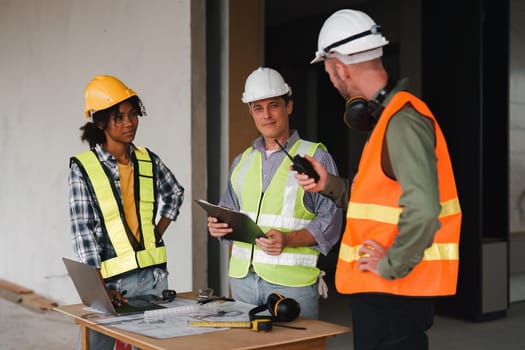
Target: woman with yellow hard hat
114,193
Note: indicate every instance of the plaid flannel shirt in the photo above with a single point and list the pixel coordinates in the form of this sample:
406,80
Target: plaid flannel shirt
90,244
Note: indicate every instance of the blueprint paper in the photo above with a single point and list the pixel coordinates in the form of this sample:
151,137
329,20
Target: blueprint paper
173,321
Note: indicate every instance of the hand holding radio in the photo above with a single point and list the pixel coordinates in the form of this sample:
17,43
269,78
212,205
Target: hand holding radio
301,164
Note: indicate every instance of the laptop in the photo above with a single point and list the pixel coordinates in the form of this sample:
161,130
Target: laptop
92,291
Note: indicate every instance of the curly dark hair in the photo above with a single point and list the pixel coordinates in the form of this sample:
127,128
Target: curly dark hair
93,132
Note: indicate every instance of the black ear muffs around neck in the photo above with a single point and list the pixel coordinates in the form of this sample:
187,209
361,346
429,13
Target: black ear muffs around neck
362,114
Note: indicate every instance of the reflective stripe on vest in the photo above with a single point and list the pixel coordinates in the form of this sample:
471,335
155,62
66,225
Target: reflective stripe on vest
373,213
281,208
126,258
282,259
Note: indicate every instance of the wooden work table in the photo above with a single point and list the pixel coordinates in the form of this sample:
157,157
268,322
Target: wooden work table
314,337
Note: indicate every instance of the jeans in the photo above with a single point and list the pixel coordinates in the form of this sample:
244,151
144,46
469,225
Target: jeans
252,289
145,281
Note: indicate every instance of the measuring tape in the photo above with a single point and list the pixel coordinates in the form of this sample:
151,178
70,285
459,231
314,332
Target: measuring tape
255,325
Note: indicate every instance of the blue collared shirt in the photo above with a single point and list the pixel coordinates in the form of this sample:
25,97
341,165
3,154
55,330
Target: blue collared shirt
326,226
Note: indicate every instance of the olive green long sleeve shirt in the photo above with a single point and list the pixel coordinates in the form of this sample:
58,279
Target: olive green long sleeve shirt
409,146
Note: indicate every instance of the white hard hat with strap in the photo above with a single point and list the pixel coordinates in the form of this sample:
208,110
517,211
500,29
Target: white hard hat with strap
350,35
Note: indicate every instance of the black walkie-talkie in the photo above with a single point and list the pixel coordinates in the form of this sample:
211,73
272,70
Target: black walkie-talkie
301,164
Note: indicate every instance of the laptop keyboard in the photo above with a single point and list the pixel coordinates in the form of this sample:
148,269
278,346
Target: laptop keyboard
140,301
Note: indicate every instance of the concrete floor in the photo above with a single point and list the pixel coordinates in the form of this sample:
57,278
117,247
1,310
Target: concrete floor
26,329
447,333
23,328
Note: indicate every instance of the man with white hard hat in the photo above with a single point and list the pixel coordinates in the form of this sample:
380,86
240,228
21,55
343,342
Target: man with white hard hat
298,225
401,240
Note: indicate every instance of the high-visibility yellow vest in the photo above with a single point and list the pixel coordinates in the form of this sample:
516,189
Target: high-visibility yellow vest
153,251
373,213
280,207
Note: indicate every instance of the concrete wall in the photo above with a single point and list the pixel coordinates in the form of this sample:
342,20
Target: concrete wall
50,50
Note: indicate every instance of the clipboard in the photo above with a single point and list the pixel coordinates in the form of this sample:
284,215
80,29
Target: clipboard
244,228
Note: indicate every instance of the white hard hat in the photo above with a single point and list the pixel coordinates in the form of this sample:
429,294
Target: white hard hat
264,83
350,35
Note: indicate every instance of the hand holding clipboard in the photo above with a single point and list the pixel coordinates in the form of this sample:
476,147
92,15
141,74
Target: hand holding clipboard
244,228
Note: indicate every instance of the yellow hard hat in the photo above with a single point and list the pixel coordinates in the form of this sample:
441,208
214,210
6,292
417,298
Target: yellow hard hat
104,91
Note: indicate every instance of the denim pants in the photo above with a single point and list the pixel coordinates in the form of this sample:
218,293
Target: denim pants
145,281
252,289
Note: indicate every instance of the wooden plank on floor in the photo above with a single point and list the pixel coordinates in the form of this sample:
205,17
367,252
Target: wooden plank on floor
38,302
15,288
25,296
11,296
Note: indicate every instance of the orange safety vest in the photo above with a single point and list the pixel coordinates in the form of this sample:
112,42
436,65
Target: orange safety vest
373,213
